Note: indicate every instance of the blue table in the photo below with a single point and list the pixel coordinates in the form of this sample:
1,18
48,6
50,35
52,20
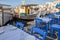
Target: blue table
47,21
58,13
53,17
15,34
50,16
55,27
57,16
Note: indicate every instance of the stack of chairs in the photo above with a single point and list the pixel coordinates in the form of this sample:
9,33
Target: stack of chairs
38,28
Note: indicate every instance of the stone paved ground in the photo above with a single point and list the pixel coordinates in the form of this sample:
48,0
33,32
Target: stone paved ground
30,25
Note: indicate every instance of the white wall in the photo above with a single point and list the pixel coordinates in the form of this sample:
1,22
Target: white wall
22,10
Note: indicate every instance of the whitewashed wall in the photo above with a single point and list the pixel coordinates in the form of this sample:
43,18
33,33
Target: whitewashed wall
0,18
7,17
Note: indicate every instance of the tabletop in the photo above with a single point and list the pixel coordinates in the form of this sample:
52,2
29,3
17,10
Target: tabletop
57,16
56,26
52,16
45,19
16,34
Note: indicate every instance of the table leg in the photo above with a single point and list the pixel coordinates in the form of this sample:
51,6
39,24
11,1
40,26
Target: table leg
59,35
47,24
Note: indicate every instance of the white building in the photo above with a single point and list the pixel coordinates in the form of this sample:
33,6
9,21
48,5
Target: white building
51,6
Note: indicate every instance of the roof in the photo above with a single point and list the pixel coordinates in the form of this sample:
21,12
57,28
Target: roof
4,5
6,8
30,5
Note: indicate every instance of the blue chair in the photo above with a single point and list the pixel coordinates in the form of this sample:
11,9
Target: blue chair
39,31
58,13
38,24
55,27
50,16
58,20
52,22
20,24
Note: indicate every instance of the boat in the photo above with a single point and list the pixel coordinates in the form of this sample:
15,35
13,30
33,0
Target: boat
25,12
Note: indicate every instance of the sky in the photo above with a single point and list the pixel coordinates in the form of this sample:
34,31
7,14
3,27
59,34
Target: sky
14,3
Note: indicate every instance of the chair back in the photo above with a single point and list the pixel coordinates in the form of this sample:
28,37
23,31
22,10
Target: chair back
38,22
20,24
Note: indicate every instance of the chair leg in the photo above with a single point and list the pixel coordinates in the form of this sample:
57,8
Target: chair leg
17,25
31,31
47,24
22,28
59,35
44,37
51,32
